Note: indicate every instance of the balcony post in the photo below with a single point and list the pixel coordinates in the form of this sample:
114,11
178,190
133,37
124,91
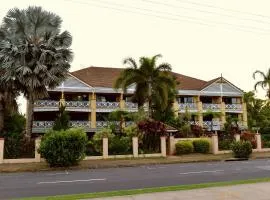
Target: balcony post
244,109
200,111
175,108
223,113
92,104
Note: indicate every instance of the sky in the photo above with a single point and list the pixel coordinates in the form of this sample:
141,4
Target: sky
199,38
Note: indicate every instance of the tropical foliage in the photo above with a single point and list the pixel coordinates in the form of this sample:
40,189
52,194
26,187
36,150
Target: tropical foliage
153,83
34,53
265,82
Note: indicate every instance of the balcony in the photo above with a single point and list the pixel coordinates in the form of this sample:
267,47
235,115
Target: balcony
43,126
191,107
233,108
49,105
80,106
107,106
46,105
132,107
211,107
104,124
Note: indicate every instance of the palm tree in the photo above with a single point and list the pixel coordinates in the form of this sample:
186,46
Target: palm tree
265,83
152,82
34,53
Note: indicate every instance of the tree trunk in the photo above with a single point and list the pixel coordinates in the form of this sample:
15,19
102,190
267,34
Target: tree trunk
29,117
1,116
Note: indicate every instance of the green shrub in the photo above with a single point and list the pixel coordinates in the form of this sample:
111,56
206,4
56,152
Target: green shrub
99,135
266,144
241,149
91,150
63,148
225,144
201,146
183,147
120,145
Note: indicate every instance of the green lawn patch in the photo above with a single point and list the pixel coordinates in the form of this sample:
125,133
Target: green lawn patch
148,190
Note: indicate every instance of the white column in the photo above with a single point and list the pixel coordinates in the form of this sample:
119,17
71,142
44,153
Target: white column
105,148
37,145
215,144
259,141
171,145
163,146
135,147
2,141
237,137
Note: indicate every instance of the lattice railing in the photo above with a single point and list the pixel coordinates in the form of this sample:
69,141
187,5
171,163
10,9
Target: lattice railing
104,124
77,104
131,106
49,124
188,106
129,123
107,105
211,106
194,123
46,103
233,107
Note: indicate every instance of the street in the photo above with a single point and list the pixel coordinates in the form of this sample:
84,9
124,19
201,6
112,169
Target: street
97,180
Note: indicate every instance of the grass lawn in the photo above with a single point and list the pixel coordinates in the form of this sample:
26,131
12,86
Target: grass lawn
148,190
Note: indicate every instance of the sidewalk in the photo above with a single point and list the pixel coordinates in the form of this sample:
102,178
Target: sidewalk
257,191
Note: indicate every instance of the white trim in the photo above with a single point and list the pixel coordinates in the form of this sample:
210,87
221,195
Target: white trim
224,79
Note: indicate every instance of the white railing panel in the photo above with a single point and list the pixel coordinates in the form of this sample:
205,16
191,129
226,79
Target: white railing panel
211,106
77,104
233,107
107,105
188,106
131,106
46,103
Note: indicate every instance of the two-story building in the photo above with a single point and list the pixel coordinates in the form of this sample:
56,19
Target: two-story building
89,97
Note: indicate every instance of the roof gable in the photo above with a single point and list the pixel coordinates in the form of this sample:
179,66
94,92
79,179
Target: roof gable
221,86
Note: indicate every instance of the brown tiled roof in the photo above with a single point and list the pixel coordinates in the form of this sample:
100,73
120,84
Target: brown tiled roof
105,77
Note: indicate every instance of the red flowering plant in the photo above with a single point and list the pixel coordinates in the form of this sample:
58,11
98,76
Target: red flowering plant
151,132
248,136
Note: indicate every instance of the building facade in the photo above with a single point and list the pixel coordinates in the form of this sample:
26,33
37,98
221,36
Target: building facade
89,97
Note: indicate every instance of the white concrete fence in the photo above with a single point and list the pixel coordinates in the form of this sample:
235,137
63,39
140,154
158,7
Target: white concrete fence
214,148
105,152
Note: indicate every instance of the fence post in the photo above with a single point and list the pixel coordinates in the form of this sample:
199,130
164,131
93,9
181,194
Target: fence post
237,137
171,145
37,145
215,144
105,148
258,141
135,147
163,146
2,141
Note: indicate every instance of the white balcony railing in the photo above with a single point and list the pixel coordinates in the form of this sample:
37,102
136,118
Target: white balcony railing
194,123
131,106
77,104
104,124
46,103
107,105
211,106
233,107
42,126
187,106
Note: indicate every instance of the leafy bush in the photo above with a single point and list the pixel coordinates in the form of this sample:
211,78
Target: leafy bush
201,146
62,120
120,145
196,130
99,135
91,150
241,149
63,148
266,144
151,131
225,144
248,136
184,147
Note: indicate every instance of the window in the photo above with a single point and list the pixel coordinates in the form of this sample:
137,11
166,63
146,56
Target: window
185,100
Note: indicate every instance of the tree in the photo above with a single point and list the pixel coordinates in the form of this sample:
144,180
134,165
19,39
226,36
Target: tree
152,82
264,83
34,53
62,120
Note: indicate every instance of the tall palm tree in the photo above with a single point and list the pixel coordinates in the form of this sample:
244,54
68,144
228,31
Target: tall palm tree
264,83
34,53
152,82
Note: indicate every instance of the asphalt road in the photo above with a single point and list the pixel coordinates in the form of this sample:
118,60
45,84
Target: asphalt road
72,182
